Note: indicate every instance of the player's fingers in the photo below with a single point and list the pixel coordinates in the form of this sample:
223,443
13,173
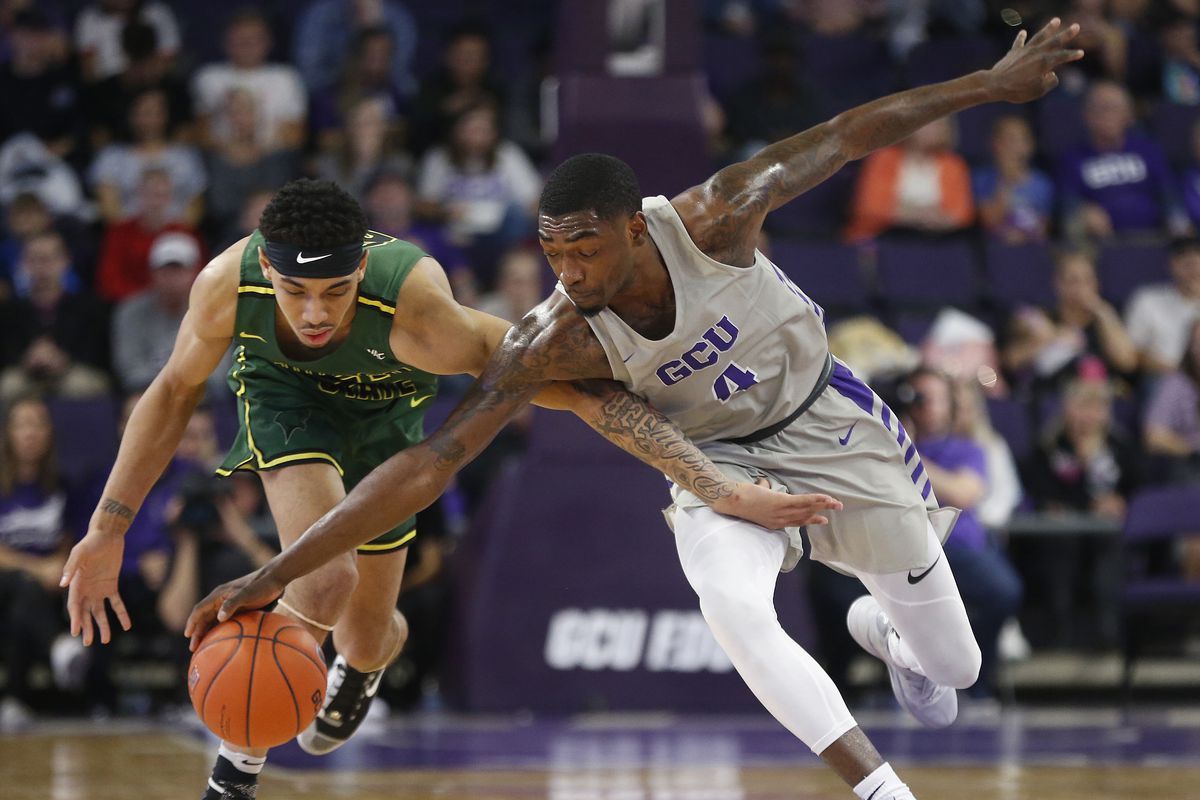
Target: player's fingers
1067,56
1049,81
1065,35
68,572
118,608
1019,42
101,616
197,626
74,611
231,606
1048,30
819,520
85,625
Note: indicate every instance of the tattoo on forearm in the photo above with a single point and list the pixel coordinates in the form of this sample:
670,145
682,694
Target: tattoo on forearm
450,452
632,424
116,508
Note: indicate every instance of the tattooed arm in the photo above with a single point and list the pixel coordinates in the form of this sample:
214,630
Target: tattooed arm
551,344
725,214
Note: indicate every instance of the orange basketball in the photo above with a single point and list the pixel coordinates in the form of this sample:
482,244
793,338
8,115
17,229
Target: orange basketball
257,679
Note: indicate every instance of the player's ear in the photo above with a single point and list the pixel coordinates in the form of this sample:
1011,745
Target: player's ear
264,264
362,267
637,227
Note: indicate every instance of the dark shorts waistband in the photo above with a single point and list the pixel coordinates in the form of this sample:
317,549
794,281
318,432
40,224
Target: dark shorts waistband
769,431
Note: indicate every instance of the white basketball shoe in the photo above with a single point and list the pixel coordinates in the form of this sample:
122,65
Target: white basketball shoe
933,706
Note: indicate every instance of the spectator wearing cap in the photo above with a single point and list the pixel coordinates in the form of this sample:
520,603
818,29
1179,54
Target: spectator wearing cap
145,325
1118,182
51,339
1160,317
124,269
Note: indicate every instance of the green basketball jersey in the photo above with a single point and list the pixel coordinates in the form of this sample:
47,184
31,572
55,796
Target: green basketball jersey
361,372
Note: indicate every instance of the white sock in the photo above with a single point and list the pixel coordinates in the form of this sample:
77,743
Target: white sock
251,765
883,784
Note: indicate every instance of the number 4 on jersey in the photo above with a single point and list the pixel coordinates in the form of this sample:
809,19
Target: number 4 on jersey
734,379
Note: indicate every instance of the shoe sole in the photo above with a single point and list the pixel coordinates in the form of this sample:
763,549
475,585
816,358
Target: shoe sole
318,744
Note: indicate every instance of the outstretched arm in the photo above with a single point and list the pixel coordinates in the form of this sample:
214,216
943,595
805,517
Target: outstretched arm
724,214
536,351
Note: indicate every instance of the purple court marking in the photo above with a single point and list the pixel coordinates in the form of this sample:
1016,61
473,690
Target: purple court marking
424,742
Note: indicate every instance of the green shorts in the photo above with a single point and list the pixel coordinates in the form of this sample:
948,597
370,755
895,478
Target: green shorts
283,421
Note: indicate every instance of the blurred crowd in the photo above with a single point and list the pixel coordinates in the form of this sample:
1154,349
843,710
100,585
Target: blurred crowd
140,137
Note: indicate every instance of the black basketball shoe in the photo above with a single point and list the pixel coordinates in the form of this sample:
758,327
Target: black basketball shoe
348,696
230,791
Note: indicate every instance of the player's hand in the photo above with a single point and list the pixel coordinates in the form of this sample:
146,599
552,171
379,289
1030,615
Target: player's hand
248,592
1027,70
90,576
758,503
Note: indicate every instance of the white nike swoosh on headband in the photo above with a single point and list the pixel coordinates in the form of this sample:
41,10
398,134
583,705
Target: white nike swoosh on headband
300,259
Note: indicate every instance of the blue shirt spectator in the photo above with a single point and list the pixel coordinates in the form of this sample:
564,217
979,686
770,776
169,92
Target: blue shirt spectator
1015,199
327,29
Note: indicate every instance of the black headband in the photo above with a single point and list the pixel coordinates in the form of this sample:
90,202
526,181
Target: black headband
296,262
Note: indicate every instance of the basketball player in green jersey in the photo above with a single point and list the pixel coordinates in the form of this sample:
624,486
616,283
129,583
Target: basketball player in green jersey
338,333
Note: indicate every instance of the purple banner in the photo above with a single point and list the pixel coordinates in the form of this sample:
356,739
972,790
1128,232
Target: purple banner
569,595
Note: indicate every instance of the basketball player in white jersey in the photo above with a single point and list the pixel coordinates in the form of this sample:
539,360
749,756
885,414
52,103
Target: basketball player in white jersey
671,298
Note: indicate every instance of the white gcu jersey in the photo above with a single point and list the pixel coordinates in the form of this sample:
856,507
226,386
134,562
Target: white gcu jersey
748,350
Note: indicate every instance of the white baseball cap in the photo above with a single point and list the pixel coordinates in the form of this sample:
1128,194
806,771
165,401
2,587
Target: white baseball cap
174,248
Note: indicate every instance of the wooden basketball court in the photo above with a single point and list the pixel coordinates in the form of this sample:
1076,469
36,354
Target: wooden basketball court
1098,755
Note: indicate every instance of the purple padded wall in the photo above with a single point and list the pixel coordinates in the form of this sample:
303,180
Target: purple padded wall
569,595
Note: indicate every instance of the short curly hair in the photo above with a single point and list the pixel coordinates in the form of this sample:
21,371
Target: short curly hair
317,215
591,182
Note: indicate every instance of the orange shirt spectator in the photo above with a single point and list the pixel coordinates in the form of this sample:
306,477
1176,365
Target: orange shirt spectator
919,185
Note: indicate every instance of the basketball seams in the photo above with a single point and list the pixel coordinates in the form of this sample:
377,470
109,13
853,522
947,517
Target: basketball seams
318,664
250,678
213,680
286,681
271,628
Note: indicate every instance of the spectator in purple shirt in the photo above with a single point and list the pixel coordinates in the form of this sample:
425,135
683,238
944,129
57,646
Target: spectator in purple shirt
1190,180
1118,182
957,467
34,540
